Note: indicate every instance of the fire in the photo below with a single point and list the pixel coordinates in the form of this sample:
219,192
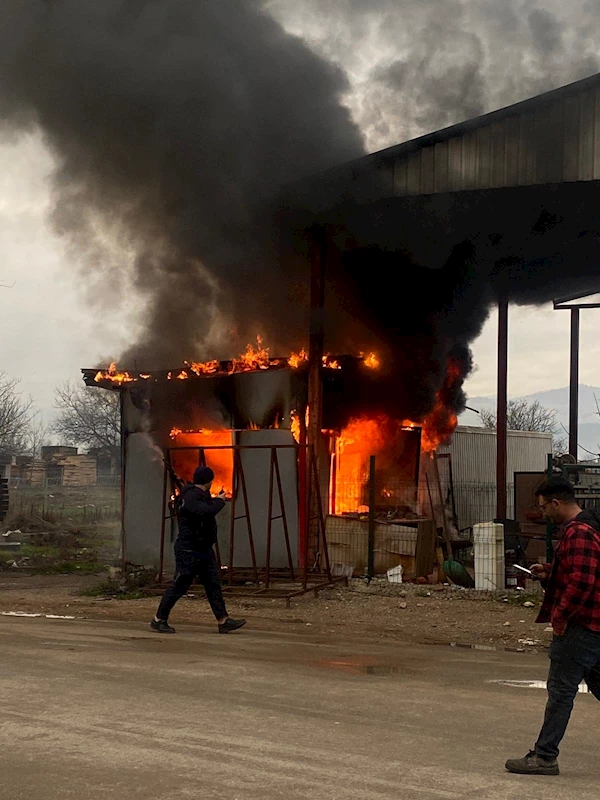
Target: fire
297,359
380,436
330,363
254,358
220,461
204,368
371,361
360,439
112,374
295,426
438,426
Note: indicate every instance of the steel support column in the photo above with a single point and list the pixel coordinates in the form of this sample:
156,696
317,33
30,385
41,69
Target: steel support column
574,385
317,335
501,425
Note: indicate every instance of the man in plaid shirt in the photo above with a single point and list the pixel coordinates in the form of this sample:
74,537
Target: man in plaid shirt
572,606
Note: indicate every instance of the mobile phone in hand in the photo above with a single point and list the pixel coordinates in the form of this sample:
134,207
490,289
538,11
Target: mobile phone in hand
523,569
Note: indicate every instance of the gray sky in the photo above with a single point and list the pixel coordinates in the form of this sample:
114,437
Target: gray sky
50,330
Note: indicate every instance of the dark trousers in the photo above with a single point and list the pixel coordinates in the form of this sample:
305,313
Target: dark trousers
574,657
190,565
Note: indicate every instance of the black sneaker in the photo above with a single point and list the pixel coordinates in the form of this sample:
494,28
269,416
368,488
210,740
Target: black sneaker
231,625
533,764
162,626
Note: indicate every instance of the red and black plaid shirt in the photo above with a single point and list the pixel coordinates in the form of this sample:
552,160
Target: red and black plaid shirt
573,589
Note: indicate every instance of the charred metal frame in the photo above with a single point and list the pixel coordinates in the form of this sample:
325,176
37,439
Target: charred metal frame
269,582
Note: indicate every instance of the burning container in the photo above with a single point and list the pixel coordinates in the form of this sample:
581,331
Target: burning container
247,419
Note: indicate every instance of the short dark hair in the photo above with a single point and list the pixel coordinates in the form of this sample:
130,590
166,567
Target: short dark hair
557,489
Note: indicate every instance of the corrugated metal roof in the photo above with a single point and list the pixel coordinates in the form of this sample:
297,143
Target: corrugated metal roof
548,139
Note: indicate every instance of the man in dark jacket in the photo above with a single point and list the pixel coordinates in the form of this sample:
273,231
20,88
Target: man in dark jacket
572,606
194,554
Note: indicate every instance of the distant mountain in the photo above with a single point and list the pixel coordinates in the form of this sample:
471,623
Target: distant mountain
557,399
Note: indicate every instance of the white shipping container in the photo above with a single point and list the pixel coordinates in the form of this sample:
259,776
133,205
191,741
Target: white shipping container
473,454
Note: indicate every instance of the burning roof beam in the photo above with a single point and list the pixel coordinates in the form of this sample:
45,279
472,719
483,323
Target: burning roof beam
115,378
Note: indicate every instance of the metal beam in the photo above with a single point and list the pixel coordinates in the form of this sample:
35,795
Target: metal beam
574,385
317,334
502,402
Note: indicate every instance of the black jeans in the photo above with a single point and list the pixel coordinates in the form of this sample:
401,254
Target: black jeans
191,564
574,657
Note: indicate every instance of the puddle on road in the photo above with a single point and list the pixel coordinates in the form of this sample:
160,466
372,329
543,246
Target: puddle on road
533,685
488,648
360,666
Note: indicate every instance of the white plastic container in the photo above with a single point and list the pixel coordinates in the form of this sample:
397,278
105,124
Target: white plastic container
394,575
488,541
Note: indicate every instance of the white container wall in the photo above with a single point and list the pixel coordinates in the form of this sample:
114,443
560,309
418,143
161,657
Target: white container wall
488,541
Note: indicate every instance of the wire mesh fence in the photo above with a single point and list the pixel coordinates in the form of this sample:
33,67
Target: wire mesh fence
379,515
476,502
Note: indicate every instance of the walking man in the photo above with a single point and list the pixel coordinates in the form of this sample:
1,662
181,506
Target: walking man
572,605
194,554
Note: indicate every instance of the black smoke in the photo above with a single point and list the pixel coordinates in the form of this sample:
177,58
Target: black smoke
174,124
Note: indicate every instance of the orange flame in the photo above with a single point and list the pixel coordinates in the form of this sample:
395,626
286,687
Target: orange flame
220,461
297,359
295,426
203,368
330,363
438,426
360,439
112,374
254,358
372,361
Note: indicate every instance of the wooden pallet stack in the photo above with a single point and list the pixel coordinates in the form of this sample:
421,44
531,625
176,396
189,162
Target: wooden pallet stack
3,498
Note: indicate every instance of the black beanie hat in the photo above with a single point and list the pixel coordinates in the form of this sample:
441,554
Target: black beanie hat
203,476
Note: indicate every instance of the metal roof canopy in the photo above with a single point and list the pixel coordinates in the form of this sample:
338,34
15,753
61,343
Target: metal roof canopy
487,175
551,138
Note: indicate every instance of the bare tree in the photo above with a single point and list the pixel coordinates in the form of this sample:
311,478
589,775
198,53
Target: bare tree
522,415
37,436
15,416
88,417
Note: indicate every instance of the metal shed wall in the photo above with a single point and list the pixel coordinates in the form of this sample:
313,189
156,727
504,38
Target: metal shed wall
473,452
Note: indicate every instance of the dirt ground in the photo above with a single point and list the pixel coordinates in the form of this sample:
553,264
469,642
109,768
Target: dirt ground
378,612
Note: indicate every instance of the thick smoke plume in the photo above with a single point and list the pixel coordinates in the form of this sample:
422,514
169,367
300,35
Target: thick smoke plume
419,66
174,125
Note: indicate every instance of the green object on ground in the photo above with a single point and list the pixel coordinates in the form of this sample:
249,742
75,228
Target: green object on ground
456,573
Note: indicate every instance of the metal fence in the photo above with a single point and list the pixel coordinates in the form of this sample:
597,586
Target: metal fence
476,502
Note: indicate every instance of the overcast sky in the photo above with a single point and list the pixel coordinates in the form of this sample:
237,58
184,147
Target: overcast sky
48,328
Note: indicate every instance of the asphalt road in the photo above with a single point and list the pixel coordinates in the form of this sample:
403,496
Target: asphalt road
95,710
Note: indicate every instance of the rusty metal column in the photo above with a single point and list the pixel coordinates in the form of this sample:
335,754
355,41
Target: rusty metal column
574,385
501,427
317,336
